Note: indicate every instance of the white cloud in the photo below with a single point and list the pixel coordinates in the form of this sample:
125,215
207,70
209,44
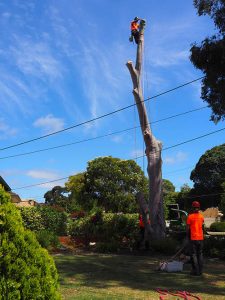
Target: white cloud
6,130
117,138
36,59
42,174
46,175
167,58
177,158
6,15
49,123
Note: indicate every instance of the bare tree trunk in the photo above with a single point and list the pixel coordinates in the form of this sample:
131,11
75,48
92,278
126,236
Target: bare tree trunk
153,147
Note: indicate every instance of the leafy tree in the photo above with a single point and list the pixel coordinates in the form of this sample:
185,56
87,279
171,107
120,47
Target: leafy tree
169,195
209,174
27,270
109,183
184,197
58,197
185,188
76,186
168,187
210,58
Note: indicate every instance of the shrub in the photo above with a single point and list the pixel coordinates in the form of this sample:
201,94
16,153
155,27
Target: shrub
53,220
47,239
44,217
27,270
32,218
103,228
218,227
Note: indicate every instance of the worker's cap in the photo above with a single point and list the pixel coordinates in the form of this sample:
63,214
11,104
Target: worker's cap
136,19
195,204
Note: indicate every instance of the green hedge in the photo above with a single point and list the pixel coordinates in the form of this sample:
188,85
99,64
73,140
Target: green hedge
44,218
27,270
217,227
107,228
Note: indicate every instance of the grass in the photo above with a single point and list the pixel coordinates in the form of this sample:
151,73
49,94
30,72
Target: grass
93,276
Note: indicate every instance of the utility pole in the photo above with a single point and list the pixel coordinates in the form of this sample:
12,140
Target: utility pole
153,149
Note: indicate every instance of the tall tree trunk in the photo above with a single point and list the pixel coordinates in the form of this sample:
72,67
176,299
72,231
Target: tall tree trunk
153,147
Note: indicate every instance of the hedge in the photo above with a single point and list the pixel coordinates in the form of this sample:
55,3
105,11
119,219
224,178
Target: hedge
106,228
217,227
44,218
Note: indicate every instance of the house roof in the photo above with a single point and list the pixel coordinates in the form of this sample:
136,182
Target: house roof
4,184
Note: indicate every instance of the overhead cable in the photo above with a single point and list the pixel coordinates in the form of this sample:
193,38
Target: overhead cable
188,141
97,118
97,137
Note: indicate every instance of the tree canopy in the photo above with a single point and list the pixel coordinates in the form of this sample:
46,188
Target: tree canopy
209,172
109,183
210,58
57,196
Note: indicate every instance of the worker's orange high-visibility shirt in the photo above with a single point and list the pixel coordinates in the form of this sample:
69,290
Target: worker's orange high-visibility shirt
134,25
195,221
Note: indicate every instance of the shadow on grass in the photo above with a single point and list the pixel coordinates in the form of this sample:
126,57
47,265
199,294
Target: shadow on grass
136,272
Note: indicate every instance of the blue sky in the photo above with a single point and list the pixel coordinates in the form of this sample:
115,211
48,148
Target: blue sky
63,62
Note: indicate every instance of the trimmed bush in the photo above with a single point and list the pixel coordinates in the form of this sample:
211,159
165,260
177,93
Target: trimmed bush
122,229
32,218
44,217
27,270
217,227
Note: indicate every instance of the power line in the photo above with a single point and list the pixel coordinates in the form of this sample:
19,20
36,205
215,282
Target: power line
98,137
173,146
188,197
188,141
100,117
41,183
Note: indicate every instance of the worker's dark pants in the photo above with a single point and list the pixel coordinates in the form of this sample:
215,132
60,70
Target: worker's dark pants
196,248
141,237
135,34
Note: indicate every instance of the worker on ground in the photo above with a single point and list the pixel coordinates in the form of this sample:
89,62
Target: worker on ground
134,27
142,239
195,223
141,231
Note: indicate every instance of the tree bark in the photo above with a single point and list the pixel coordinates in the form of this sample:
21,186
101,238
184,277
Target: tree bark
153,148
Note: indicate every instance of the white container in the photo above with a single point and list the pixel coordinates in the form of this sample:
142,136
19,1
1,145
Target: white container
174,266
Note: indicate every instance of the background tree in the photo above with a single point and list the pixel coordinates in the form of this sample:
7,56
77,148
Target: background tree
76,188
169,195
27,270
109,183
209,174
210,58
58,196
184,197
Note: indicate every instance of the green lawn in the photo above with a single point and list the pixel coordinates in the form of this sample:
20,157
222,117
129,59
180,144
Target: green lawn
92,276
